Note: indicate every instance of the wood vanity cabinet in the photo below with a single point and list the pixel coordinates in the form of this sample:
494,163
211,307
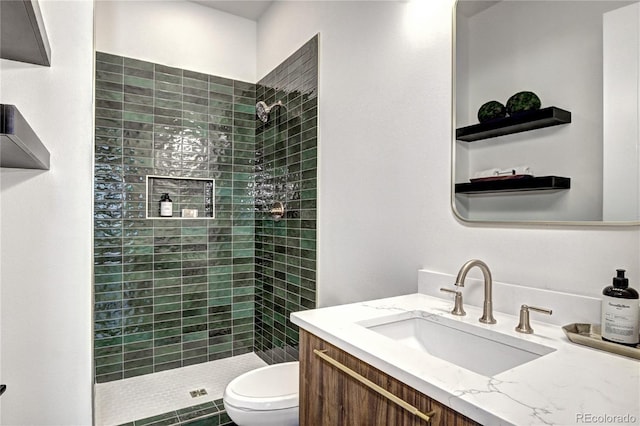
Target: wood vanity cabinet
330,397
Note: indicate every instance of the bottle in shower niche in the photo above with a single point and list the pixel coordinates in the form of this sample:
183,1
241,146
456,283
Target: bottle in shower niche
166,206
620,312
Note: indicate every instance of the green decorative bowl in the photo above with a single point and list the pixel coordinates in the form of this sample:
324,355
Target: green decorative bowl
491,111
523,101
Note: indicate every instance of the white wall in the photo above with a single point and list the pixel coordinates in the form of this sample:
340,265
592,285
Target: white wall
45,224
178,33
621,81
384,152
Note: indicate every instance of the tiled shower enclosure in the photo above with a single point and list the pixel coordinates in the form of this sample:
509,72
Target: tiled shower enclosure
286,171
172,292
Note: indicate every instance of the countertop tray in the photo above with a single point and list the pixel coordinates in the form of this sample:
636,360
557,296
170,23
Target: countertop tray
589,335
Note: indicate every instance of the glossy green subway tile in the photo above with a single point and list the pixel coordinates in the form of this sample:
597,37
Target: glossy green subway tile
138,320
160,420
247,313
110,67
200,413
137,329
242,306
195,291
173,325
216,89
197,360
107,334
107,278
171,87
138,103
164,305
108,114
109,98
218,106
137,267
170,273
169,357
106,297
309,153
109,86
137,64
111,362
243,265
191,280
195,75
220,339
103,370
137,116
137,337
197,308
107,342
198,336
108,287
218,241
170,341
164,69
138,371
158,266
195,107
220,301
168,349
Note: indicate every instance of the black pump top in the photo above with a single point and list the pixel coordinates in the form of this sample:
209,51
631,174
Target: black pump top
620,281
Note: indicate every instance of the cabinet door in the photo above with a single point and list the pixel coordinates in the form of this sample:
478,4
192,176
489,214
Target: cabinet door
330,397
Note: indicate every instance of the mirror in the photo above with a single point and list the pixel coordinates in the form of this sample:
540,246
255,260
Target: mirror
575,156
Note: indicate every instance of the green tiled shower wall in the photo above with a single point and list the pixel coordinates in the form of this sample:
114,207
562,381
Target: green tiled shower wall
171,292
286,165
175,292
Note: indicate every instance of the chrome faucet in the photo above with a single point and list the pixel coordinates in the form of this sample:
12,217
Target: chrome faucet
487,307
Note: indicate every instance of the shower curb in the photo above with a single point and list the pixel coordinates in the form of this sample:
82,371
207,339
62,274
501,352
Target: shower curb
210,413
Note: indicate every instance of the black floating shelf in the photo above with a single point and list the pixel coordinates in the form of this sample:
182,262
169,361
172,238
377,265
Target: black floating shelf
23,37
529,120
20,147
542,183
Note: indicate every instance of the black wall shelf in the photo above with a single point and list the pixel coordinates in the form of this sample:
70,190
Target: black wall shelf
529,120
20,147
23,36
542,183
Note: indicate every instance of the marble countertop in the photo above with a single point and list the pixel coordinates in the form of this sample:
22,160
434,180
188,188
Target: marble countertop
573,384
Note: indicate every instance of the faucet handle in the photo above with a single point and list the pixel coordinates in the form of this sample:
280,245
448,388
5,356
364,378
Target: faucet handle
524,326
457,306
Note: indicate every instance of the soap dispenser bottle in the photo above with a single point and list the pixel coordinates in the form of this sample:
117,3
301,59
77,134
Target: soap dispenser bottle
620,314
166,206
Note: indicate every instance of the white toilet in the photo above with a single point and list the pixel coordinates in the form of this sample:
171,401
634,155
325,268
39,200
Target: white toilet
266,396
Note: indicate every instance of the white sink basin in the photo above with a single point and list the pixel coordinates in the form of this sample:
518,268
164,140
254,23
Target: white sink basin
472,347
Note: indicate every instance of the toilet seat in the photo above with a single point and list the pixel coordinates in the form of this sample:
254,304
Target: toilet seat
274,387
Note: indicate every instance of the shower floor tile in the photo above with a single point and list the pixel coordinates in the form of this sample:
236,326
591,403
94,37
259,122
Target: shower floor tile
140,397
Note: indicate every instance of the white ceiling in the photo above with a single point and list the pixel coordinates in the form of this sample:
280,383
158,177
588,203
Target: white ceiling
244,8
469,8
253,9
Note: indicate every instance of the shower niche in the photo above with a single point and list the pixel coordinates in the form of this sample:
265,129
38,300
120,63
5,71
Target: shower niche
192,198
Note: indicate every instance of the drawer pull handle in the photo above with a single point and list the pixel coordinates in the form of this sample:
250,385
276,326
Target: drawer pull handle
404,404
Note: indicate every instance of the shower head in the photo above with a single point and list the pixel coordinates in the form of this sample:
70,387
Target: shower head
263,110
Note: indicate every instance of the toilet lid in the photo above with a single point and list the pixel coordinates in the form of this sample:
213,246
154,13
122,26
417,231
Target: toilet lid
273,387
